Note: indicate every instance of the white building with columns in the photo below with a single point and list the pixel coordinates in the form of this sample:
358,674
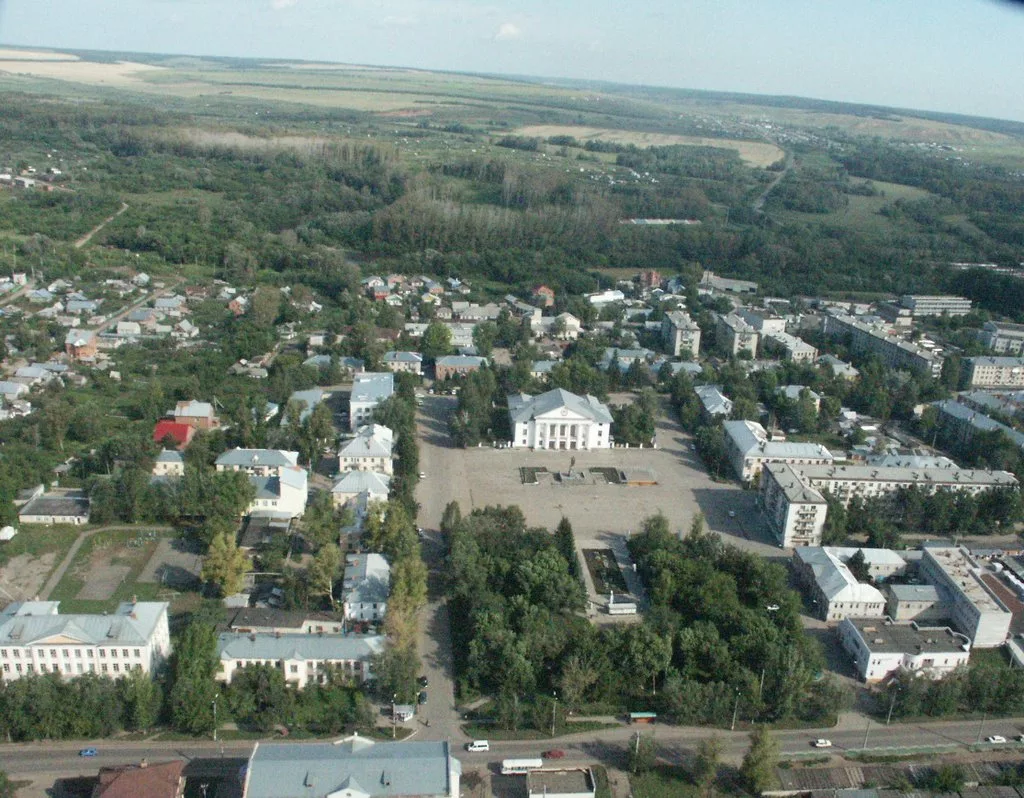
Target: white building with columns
559,420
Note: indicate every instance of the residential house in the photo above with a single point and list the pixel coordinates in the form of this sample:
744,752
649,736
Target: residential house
680,334
81,344
169,463
353,484
749,448
128,329
370,450
282,486
303,659
238,305
839,367
410,362
541,369
457,366
196,414
307,400
354,767
36,638
713,403
366,587
558,419
835,592
180,434
368,390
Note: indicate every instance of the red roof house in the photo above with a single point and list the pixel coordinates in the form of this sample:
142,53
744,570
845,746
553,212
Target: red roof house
181,434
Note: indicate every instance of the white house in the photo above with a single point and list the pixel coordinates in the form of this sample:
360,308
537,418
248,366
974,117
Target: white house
411,362
559,420
35,638
366,586
749,448
369,389
369,450
881,648
282,486
302,658
169,463
834,589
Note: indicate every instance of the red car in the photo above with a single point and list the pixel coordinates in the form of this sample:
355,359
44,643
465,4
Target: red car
554,753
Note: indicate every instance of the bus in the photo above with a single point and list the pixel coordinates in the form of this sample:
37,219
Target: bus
509,766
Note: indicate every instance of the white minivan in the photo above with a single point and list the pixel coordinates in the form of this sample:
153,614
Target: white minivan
478,745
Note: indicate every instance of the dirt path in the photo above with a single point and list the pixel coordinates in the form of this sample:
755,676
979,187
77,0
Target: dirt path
56,576
760,201
88,236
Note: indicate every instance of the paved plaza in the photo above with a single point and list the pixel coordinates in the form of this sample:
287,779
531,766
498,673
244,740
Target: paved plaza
599,513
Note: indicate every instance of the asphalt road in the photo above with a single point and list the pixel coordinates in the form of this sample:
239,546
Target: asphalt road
61,760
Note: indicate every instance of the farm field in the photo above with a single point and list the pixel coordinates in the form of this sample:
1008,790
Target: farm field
753,153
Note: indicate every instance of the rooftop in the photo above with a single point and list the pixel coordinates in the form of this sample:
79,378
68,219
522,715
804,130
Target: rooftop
922,476
523,407
914,592
882,636
560,782
57,504
834,578
259,618
751,439
28,622
792,487
965,575
240,645
315,770
373,386
261,458
367,579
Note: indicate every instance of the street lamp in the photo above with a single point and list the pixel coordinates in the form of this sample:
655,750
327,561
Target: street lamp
214,704
394,731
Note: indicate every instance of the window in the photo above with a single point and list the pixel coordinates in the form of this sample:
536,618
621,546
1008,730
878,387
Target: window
53,653
113,653
65,652
138,652
124,653
105,668
7,668
17,654
294,668
78,666
103,653
78,653
117,668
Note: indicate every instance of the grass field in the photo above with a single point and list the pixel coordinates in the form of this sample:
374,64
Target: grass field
663,782
862,213
753,153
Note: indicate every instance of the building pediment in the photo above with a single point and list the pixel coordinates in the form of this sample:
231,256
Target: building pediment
561,415
62,640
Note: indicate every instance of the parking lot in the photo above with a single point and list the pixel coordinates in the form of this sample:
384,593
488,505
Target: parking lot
598,513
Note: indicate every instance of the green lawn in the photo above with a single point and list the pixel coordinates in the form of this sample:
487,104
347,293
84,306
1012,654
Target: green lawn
862,213
663,782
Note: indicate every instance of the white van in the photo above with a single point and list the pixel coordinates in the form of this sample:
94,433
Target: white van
478,746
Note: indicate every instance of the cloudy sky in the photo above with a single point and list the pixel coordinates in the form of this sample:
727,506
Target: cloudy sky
964,56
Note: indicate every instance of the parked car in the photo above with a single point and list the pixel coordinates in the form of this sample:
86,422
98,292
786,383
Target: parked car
423,474
422,698
87,752
478,746
822,743
554,753
422,681
995,739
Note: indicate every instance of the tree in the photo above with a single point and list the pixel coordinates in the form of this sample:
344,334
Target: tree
408,585
642,753
451,518
141,699
437,340
484,336
7,789
259,697
705,763
193,669
758,768
858,566
266,306
225,564
323,570
566,544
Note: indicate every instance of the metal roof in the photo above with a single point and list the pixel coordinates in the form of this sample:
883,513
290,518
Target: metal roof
523,408
316,770
24,623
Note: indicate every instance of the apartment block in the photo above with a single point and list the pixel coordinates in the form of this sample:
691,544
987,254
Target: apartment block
936,305
680,333
1003,338
893,350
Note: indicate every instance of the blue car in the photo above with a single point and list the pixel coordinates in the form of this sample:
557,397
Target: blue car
87,752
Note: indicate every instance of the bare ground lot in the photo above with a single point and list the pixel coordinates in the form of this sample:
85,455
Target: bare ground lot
24,575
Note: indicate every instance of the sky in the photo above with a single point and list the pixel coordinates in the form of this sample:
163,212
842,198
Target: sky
961,56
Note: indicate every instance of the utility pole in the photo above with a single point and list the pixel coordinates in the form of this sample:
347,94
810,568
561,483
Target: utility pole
981,728
554,706
892,703
394,731
866,730
735,711
214,702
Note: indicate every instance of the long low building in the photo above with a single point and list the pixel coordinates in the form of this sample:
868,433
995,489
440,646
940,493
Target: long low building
881,649
36,638
302,658
846,481
749,449
896,352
